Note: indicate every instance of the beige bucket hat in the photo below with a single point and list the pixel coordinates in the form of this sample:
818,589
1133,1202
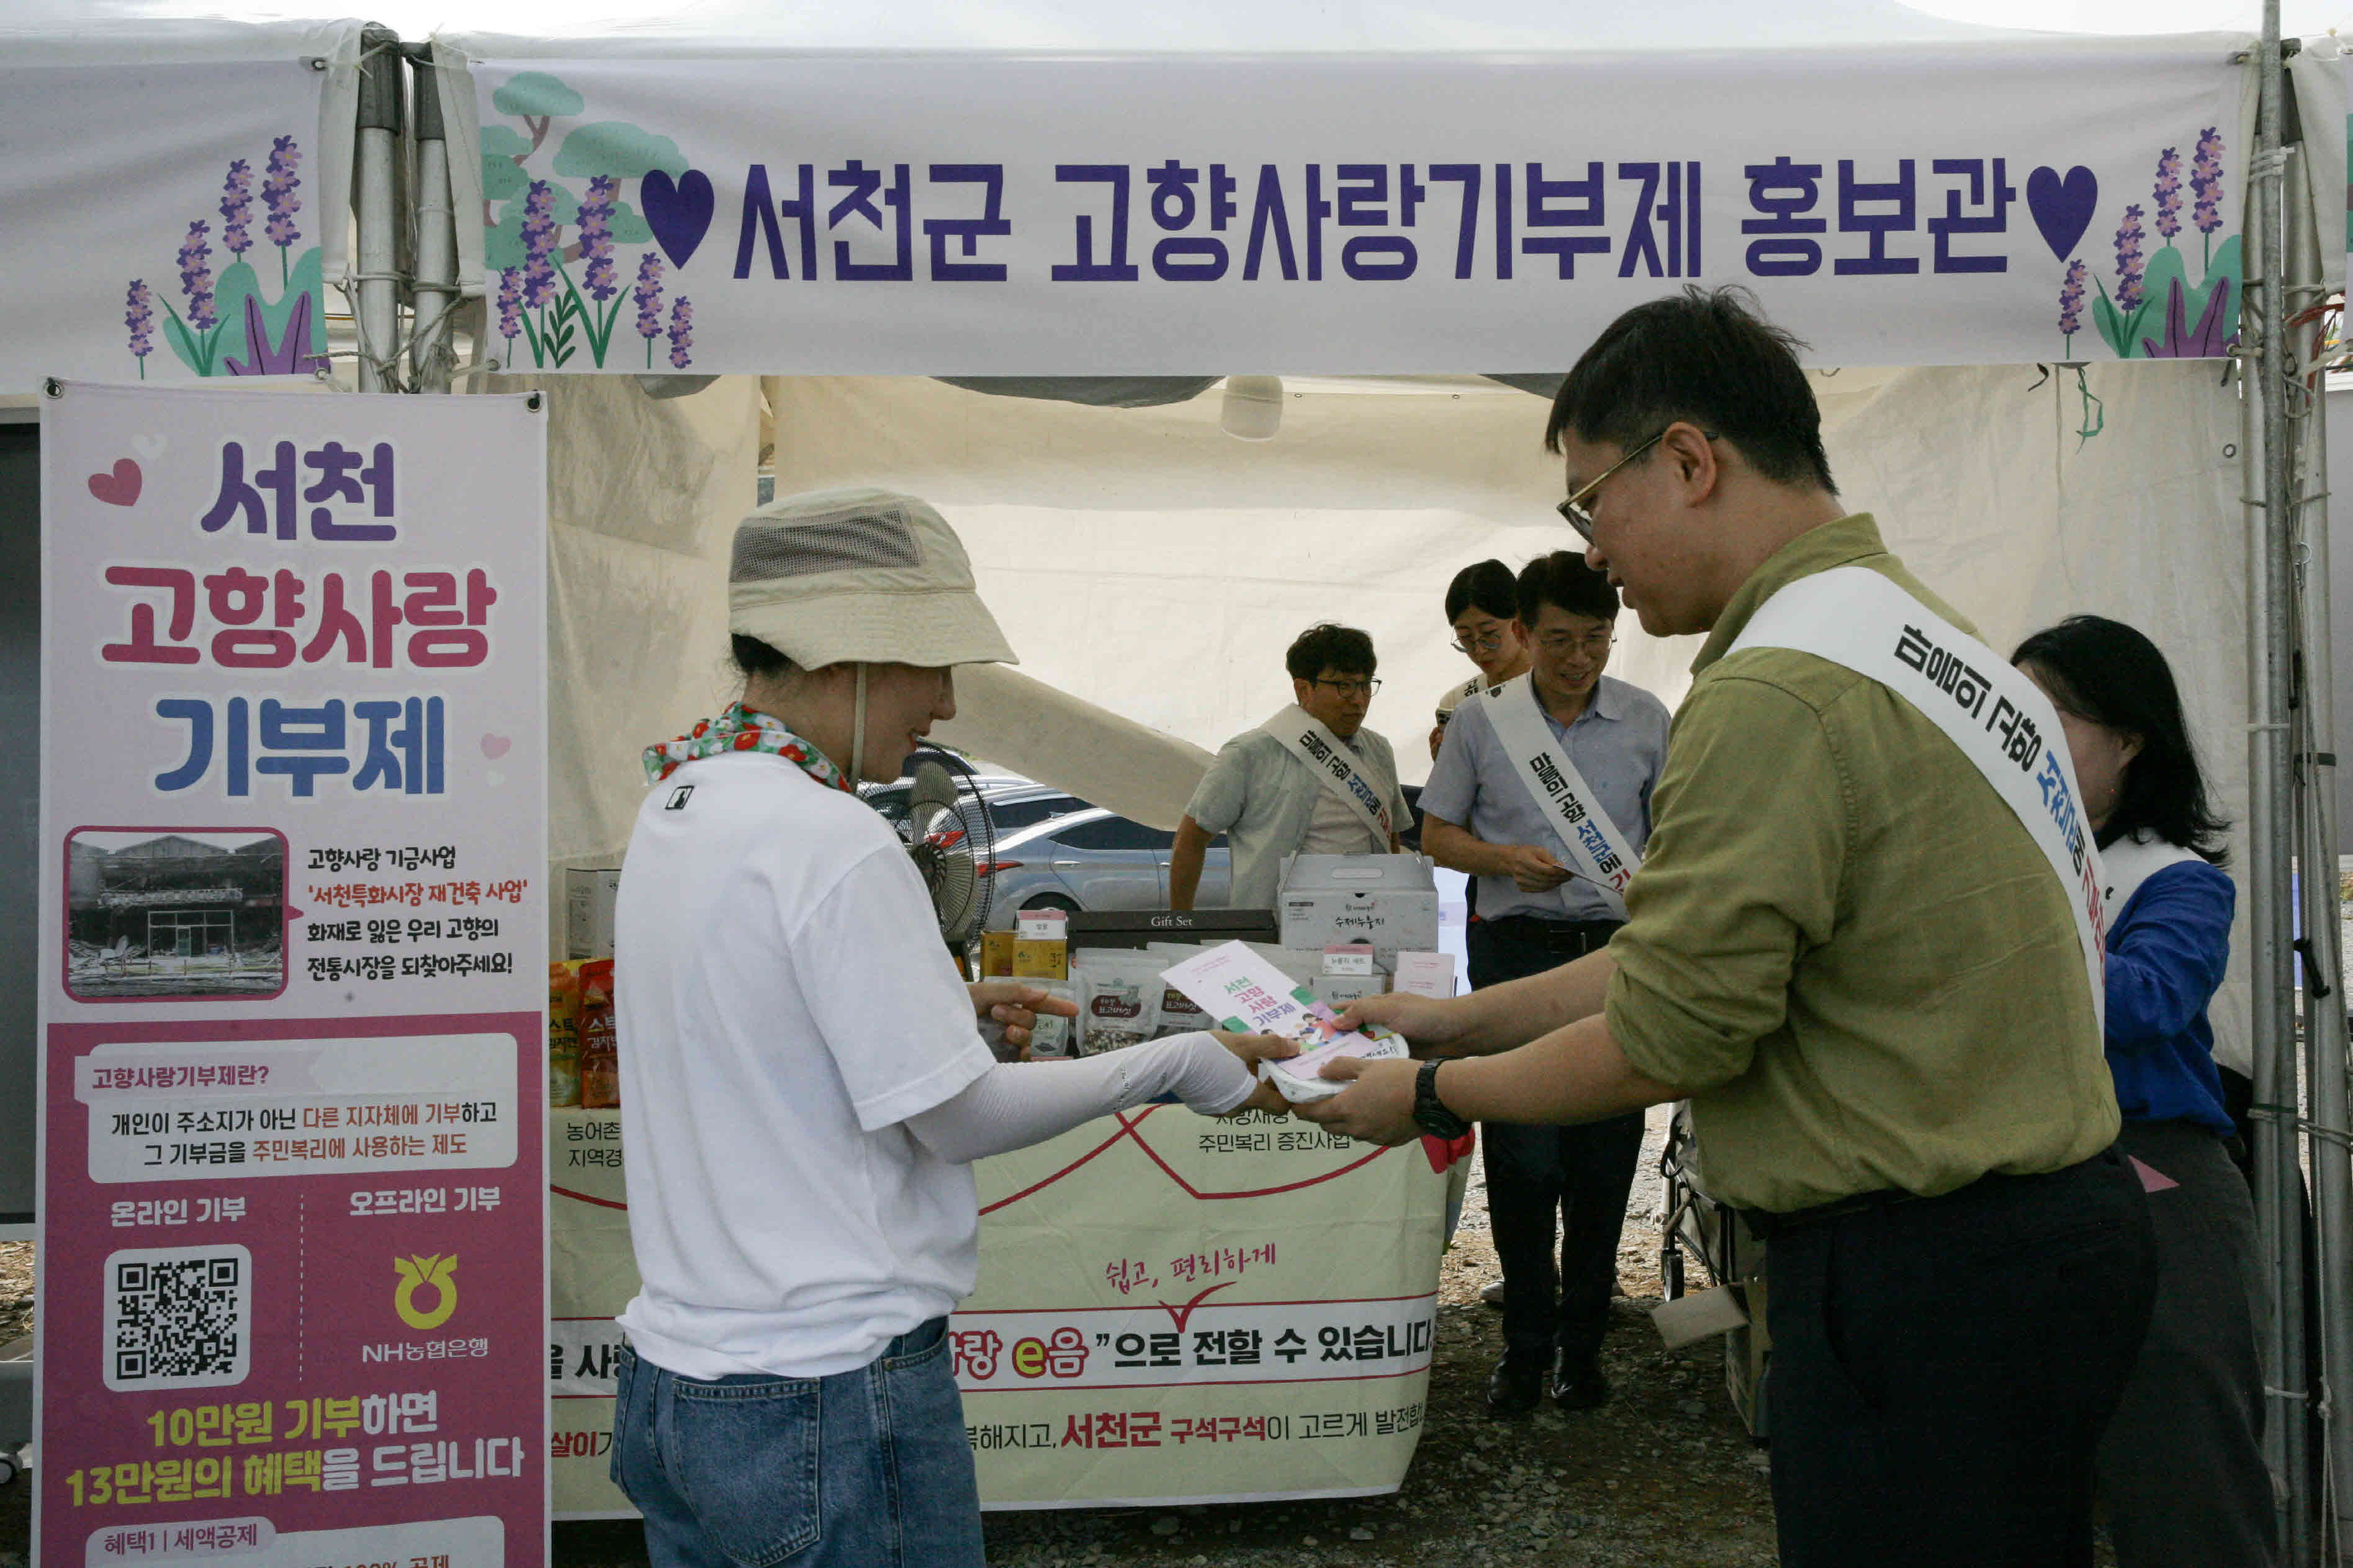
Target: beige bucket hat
858,577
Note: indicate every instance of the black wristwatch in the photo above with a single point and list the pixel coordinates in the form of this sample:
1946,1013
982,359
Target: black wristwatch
1430,1113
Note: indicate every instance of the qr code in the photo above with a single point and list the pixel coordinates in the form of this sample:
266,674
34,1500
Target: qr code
178,1317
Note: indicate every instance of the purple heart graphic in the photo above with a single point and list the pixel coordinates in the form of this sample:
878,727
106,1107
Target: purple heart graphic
2061,208
678,212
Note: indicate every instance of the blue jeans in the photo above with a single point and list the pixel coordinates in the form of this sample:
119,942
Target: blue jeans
863,1469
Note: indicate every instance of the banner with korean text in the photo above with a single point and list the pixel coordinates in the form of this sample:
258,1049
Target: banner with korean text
1169,1310
292,835
2000,203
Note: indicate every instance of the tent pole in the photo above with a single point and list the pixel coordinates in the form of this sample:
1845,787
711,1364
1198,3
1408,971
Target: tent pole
431,340
377,309
2326,1045
2278,1173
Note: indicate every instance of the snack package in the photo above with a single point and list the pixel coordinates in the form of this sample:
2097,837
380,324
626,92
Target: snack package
1050,1037
1179,1014
564,1033
600,1059
995,954
1119,999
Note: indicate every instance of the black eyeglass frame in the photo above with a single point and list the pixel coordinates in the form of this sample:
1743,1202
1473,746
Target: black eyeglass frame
1573,511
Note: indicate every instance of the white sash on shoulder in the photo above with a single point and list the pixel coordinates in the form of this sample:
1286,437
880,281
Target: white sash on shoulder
1333,763
2129,862
2000,721
1597,851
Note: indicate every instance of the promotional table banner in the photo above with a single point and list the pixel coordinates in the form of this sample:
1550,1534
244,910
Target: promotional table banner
293,817
1125,215
178,216
1170,1310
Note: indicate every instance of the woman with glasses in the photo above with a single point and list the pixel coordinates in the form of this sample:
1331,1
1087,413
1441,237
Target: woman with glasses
1482,609
2181,1463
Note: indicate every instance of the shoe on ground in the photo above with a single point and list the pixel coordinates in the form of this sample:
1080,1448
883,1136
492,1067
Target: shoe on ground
1579,1386
1494,1294
1516,1386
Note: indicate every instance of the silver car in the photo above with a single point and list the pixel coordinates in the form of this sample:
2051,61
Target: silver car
1089,858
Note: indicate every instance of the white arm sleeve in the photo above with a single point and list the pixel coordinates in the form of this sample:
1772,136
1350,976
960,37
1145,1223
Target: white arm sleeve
1014,1105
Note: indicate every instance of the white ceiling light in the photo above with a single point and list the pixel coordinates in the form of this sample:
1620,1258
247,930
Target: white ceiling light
1252,410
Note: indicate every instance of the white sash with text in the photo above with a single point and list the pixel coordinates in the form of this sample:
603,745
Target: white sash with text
1597,851
2000,721
1335,765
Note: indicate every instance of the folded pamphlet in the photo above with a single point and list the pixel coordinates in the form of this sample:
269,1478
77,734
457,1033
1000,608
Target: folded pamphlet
1247,995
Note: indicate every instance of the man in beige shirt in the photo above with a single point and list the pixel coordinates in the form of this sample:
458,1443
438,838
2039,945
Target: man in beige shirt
1849,954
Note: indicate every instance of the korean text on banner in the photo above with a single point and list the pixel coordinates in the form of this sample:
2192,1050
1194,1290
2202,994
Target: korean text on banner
1964,204
1169,1310
293,818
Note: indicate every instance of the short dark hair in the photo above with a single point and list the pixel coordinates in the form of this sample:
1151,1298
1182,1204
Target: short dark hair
1323,646
1564,579
754,657
2109,673
1705,355
1484,585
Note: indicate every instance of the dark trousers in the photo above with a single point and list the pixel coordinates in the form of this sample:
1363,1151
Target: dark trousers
1544,1183
2181,1466
1942,1368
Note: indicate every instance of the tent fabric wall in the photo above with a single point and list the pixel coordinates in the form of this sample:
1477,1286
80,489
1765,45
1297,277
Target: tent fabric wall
1144,561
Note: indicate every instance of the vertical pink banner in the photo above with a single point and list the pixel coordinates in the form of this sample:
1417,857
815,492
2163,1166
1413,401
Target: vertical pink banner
293,1210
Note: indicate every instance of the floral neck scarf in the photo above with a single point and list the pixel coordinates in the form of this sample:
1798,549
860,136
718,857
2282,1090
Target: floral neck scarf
741,728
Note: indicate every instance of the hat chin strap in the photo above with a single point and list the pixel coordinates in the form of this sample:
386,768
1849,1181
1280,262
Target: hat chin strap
858,733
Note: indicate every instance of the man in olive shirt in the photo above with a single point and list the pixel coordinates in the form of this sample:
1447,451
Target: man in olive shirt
1847,951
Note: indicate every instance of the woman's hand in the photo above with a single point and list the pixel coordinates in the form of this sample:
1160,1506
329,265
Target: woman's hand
1014,1005
1253,1049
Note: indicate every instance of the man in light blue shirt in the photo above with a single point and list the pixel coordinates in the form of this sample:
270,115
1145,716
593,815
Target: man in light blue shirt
1536,911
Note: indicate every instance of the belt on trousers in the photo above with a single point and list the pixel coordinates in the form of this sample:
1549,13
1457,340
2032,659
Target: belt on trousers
1765,1223
1556,936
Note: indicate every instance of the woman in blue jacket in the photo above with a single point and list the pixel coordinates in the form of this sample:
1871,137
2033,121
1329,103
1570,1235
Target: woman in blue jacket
2181,1465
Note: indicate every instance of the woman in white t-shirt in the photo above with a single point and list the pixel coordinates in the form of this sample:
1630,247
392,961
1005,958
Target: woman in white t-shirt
805,1081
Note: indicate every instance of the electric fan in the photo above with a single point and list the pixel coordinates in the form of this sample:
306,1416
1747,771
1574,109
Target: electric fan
950,836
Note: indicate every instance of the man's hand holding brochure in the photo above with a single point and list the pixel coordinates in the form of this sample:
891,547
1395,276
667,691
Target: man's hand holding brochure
1248,996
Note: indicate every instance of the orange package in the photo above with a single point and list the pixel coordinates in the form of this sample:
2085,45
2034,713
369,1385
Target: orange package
600,1058
564,1034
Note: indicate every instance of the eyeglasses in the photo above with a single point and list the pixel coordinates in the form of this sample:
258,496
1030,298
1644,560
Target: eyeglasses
1479,642
1349,688
1577,515
1593,645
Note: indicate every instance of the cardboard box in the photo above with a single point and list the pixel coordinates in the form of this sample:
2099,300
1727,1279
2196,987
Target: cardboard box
1135,928
1037,958
1336,991
1389,900
588,910
995,954
1425,975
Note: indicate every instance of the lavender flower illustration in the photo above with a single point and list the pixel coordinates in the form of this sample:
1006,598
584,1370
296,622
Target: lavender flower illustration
139,315
2206,186
2167,194
237,208
597,236
682,332
2071,304
279,184
510,322
539,234
2132,268
196,274
646,297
